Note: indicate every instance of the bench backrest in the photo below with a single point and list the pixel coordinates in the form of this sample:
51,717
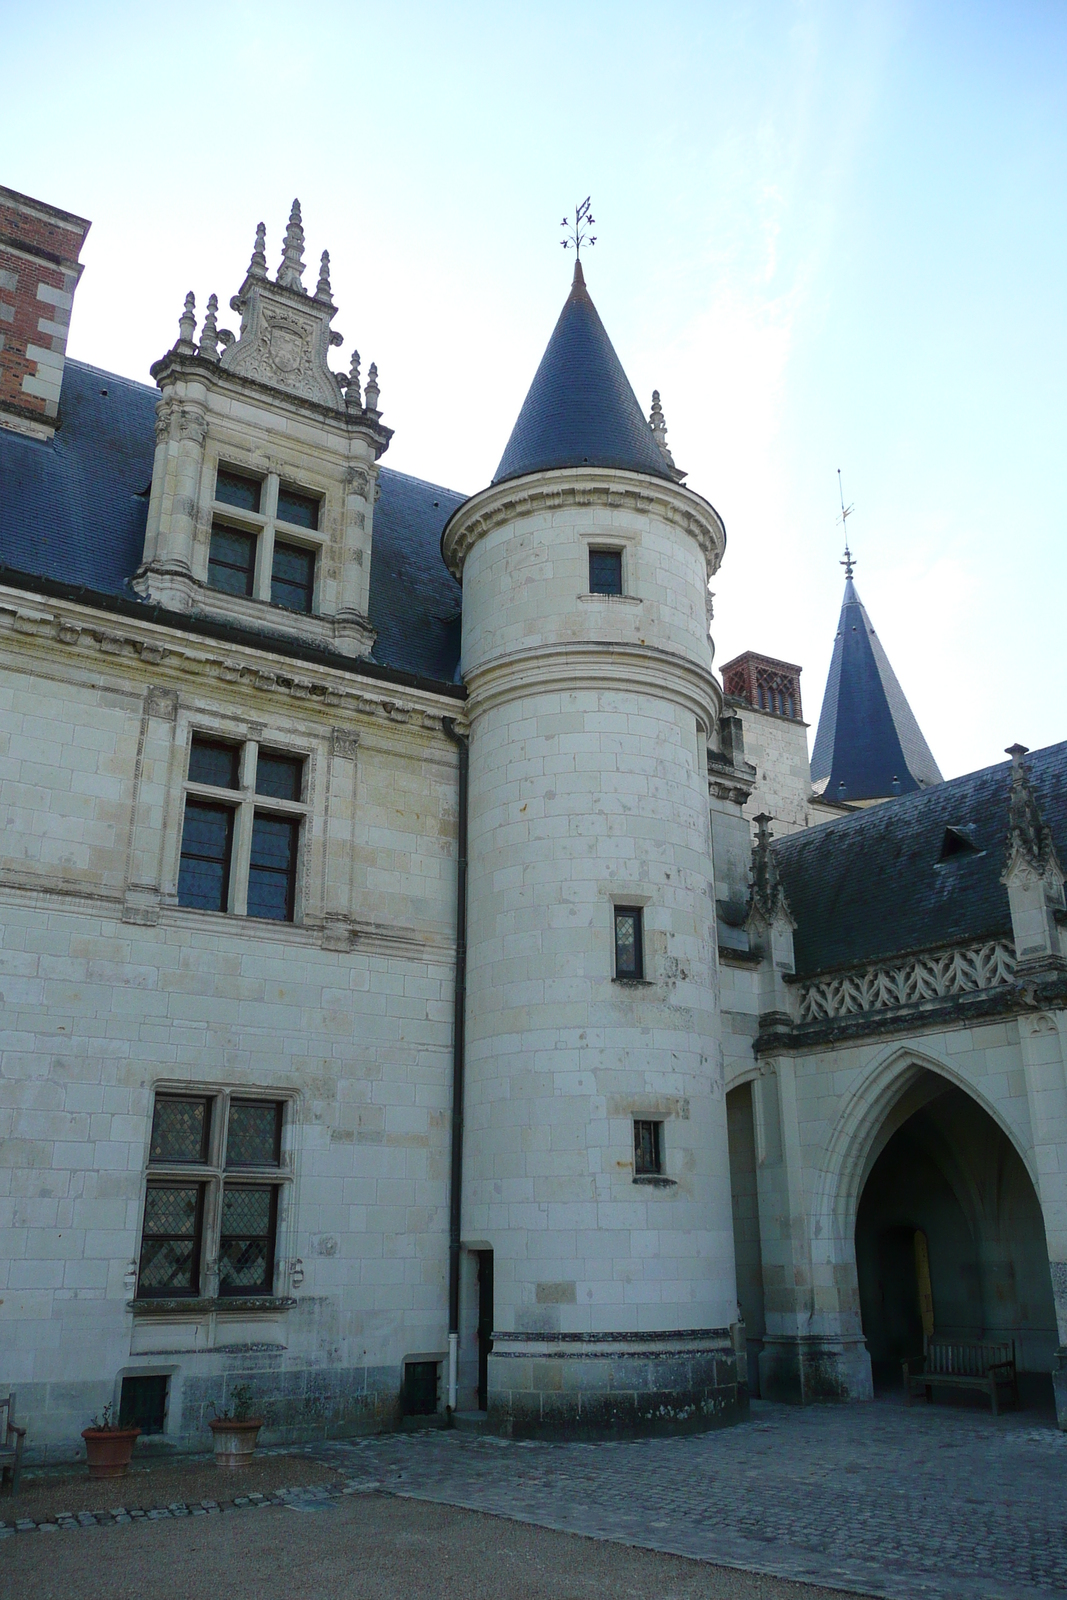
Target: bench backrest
965,1358
7,1415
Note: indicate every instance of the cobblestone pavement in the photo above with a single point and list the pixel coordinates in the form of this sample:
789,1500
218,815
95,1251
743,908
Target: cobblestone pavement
937,1501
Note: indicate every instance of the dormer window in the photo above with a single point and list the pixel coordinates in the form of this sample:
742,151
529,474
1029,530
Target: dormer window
957,842
299,510
292,580
234,489
232,563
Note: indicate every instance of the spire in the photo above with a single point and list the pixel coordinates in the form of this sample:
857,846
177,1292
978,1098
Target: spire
580,410
353,397
658,423
322,288
373,393
209,333
868,745
257,267
1029,839
767,898
187,324
291,271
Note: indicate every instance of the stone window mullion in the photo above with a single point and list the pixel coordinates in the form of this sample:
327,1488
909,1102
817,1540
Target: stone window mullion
265,553
244,820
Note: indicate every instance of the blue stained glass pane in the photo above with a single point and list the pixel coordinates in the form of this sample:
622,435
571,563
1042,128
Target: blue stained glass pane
203,878
272,872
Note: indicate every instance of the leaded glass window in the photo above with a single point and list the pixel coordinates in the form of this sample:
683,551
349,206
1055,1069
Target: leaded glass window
231,563
292,581
301,510
629,956
214,762
254,1138
605,572
281,777
648,1149
181,1127
246,1241
170,1240
234,489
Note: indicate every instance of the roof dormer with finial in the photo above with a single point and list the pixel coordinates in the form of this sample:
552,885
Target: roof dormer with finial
264,480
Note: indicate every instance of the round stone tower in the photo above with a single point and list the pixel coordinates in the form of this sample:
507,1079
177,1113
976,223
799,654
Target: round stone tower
597,1170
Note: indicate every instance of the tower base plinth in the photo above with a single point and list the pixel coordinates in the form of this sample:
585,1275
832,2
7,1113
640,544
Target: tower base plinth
613,1385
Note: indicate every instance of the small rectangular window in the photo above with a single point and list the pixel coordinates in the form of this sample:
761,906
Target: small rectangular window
232,562
629,956
254,1135
170,1240
648,1149
143,1404
181,1128
292,581
300,510
281,777
211,761
246,1239
207,840
605,572
233,489
272,869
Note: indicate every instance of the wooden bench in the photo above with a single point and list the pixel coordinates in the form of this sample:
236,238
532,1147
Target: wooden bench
11,1442
962,1364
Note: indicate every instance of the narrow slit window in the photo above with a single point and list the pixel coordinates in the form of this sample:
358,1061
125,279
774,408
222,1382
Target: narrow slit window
234,489
232,562
207,845
292,582
648,1149
605,572
629,955
272,869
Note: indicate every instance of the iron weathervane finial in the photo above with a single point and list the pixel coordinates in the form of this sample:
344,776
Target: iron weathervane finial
578,229
849,560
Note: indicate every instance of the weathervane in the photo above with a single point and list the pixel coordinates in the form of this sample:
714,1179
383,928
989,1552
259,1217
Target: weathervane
579,228
846,511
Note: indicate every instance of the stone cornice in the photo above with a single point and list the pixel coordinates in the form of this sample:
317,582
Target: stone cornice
575,664
582,486
170,654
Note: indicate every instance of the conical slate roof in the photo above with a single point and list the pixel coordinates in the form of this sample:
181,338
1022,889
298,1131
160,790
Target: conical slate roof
581,410
868,746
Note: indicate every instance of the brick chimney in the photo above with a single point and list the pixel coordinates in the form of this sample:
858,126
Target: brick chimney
39,272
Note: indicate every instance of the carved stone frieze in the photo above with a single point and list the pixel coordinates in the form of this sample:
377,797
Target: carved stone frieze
901,983
285,337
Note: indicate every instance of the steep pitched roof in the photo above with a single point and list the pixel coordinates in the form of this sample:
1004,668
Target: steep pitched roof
74,508
868,745
580,410
886,880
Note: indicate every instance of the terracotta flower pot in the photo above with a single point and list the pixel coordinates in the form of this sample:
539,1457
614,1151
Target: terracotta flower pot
235,1442
109,1450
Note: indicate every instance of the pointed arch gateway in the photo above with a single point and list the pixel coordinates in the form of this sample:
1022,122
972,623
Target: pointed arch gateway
929,1193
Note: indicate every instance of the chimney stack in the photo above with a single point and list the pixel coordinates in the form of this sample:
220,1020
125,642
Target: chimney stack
39,272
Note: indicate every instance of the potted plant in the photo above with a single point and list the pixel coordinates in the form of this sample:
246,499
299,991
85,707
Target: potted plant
236,1430
109,1445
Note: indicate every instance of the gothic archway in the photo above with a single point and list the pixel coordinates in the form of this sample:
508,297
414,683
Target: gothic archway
949,1236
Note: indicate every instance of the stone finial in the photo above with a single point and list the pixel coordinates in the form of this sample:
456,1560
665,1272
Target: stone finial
322,288
767,898
1030,843
658,423
257,267
353,394
291,271
187,324
209,333
373,392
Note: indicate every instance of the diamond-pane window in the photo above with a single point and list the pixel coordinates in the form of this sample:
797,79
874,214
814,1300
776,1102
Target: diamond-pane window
629,956
301,510
255,1135
211,761
246,1243
180,1129
281,777
170,1240
233,489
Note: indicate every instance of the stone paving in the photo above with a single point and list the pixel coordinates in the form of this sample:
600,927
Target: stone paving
937,1501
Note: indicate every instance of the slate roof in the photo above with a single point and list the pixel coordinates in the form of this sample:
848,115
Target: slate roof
868,745
871,885
581,410
74,509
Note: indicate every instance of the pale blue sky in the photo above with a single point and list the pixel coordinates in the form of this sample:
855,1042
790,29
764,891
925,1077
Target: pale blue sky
831,234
